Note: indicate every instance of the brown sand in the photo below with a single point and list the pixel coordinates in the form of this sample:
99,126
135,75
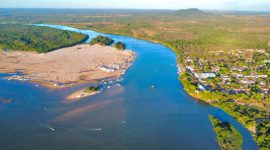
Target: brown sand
80,94
68,66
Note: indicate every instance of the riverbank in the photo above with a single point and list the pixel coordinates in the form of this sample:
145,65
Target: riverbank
257,121
173,48
67,66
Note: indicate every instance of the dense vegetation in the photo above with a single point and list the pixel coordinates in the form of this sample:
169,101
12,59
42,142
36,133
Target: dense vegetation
228,136
120,45
33,38
257,121
102,40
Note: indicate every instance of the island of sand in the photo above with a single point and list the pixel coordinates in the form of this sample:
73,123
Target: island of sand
68,66
82,93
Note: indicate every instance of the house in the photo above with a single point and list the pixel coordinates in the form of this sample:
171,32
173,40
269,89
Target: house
201,87
239,76
58,84
215,69
189,60
191,68
245,81
106,69
115,65
205,75
180,69
266,91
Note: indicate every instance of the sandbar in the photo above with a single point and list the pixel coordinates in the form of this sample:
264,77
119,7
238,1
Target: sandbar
67,66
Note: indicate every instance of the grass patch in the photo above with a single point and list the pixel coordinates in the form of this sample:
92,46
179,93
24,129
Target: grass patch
91,89
228,136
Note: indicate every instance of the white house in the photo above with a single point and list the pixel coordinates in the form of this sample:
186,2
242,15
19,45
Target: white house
205,75
106,69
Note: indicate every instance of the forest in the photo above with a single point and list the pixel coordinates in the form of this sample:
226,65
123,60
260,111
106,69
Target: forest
38,39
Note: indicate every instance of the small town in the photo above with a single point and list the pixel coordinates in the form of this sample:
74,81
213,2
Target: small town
250,77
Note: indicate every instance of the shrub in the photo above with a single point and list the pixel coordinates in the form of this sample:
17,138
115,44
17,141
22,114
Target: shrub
120,45
102,40
91,89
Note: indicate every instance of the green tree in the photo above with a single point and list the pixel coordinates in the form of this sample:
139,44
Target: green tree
102,40
120,45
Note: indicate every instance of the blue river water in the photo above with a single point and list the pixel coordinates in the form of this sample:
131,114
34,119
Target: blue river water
147,110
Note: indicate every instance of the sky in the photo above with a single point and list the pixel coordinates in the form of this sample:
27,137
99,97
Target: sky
250,5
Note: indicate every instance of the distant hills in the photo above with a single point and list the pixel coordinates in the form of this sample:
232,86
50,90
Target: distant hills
191,12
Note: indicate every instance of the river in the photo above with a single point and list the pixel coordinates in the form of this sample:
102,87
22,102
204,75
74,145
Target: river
147,110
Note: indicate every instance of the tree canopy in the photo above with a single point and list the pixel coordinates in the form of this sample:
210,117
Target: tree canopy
34,38
102,40
120,45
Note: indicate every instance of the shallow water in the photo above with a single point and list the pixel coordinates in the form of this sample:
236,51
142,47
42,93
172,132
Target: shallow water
150,110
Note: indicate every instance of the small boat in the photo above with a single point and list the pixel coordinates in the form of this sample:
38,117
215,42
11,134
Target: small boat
97,129
51,128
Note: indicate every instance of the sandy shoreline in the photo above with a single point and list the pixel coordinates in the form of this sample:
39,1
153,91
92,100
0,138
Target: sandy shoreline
68,66
80,94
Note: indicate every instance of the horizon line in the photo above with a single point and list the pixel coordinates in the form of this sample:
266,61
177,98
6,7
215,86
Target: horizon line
137,9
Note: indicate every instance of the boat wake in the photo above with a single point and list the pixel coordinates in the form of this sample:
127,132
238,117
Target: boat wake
73,129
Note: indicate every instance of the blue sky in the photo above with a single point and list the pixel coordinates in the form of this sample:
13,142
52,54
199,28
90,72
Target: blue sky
254,5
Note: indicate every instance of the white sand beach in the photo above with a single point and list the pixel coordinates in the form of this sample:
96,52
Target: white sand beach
68,66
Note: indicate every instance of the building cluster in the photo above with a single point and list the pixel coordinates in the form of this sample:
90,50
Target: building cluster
115,66
236,79
107,69
36,77
19,77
